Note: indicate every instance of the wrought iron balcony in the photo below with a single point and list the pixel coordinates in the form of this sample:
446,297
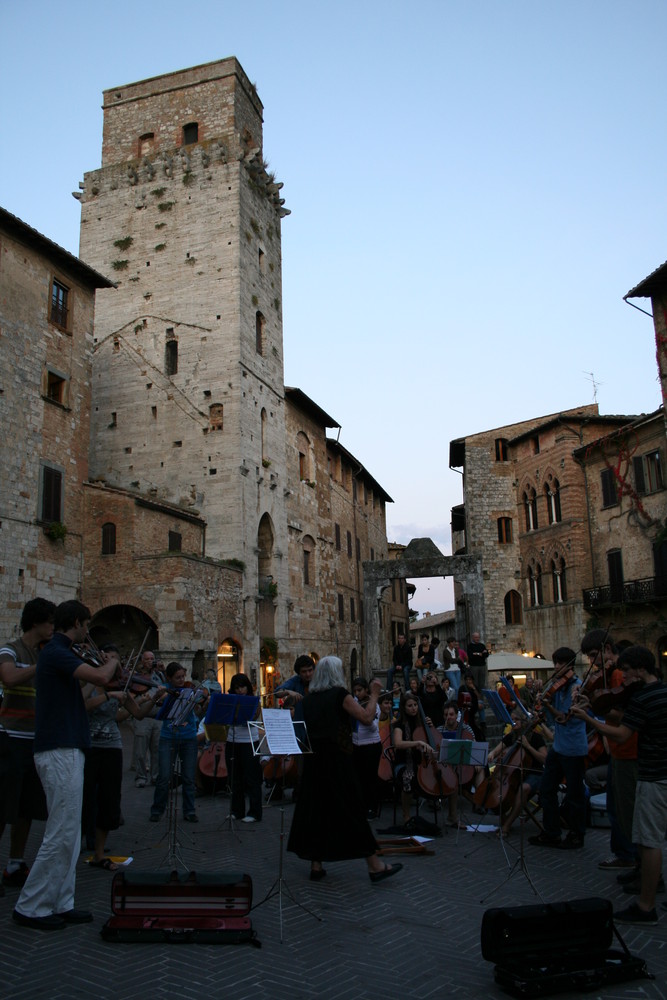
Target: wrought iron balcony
630,592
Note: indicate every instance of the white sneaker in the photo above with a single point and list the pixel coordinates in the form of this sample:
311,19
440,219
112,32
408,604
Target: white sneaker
248,819
140,783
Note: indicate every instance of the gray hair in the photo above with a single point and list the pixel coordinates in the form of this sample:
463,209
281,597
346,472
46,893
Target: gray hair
328,674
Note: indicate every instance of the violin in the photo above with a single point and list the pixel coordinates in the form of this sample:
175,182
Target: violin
609,699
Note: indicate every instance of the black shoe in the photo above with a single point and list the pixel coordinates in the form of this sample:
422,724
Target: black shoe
542,840
76,916
154,818
317,874
634,915
191,818
52,922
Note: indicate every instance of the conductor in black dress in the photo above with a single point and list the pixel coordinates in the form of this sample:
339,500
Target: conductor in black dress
329,821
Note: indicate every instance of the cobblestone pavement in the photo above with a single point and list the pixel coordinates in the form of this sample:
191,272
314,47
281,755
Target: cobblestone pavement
415,935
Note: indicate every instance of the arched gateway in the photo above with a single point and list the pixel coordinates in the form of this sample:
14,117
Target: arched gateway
421,558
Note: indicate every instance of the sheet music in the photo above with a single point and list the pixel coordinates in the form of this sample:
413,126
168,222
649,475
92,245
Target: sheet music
279,729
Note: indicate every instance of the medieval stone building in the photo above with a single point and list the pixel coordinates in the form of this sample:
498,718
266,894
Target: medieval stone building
525,515
47,300
193,430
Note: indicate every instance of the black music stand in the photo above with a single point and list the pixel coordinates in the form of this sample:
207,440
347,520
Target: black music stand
500,711
261,742
231,710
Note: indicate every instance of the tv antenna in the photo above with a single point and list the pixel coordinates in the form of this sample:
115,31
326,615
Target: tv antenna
591,378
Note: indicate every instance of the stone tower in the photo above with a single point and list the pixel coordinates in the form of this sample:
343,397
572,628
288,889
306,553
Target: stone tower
188,353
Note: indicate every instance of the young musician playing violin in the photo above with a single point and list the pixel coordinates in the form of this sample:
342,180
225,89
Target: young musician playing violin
565,759
646,715
103,770
178,740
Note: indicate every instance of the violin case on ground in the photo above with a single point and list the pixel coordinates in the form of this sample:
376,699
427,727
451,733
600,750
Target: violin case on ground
552,948
177,907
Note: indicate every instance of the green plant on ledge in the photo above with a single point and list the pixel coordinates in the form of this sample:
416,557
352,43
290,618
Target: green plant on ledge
266,462
269,650
56,531
119,265
124,244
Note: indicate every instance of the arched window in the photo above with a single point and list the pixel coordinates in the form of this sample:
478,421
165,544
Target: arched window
552,490
559,580
535,585
109,539
215,416
513,608
504,530
530,506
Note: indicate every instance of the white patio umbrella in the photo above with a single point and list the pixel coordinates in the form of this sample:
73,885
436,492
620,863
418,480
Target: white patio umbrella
508,663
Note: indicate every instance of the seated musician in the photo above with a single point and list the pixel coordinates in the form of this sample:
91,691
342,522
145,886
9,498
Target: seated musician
456,729
408,750
533,765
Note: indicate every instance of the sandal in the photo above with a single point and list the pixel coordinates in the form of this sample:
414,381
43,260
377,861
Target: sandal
385,872
106,863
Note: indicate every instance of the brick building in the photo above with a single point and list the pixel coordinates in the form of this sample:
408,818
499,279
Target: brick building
47,301
525,514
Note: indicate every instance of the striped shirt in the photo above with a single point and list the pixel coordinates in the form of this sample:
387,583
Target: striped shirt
646,715
17,715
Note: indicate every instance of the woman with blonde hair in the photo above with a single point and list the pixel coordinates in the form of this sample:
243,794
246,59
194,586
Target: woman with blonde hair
329,821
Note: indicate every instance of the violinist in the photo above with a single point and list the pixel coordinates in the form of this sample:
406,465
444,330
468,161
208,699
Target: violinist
565,759
178,740
23,799
62,734
296,687
533,764
409,750
622,768
103,770
646,715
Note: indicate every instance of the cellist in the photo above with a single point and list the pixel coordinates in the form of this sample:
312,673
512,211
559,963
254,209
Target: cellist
534,755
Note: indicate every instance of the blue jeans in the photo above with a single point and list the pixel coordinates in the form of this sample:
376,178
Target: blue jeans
390,676
168,752
556,767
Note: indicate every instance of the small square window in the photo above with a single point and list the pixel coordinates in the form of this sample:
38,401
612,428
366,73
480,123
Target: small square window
190,133
175,541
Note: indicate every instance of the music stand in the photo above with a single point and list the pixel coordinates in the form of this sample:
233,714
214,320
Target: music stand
457,753
282,737
500,711
231,710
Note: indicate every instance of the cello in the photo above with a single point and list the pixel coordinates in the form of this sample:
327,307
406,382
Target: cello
436,780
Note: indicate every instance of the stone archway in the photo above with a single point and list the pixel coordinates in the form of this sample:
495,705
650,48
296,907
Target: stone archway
421,558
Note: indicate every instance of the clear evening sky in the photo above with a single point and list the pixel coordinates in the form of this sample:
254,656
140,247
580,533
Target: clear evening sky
474,186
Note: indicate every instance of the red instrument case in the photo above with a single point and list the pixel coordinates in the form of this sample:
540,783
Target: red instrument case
176,907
